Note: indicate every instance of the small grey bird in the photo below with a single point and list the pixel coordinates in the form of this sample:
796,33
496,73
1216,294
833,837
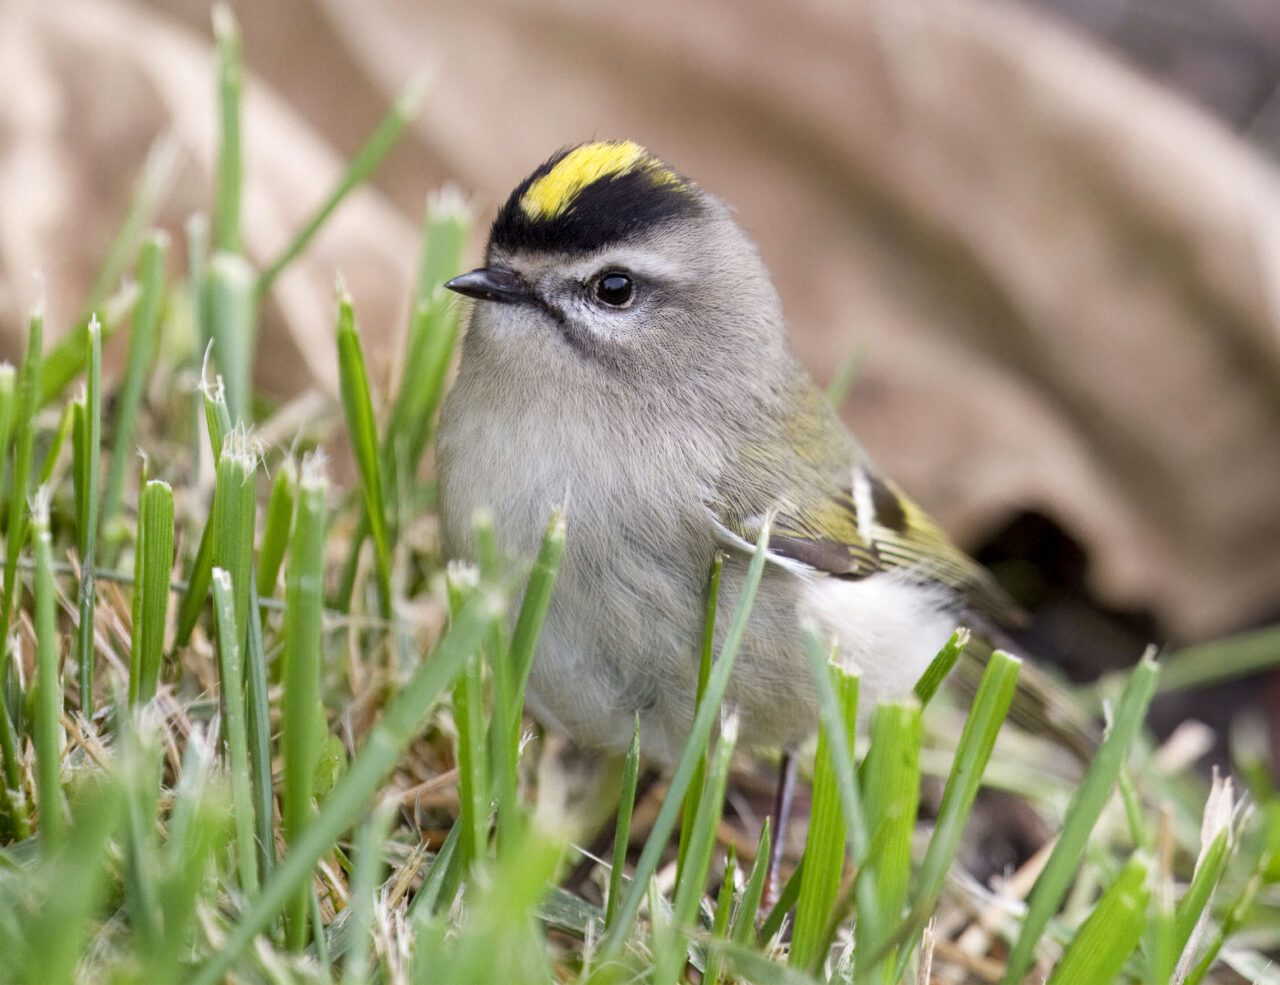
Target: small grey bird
629,351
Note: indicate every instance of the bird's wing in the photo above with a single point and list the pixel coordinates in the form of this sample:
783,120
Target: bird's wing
852,523
871,527
833,514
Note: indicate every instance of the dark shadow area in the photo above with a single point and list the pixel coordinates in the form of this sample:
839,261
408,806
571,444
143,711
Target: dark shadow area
1046,571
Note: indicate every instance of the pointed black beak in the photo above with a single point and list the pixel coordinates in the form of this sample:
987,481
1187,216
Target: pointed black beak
491,284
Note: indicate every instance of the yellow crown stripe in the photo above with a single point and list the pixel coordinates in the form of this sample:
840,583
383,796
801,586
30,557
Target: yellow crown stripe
553,193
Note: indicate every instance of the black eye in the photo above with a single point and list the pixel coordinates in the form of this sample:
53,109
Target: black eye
615,289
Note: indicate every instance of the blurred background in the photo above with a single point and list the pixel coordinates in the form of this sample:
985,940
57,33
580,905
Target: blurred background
1047,233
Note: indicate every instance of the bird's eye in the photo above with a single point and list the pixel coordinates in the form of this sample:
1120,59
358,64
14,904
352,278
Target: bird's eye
615,289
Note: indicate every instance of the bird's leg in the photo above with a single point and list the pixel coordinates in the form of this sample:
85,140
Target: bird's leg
781,816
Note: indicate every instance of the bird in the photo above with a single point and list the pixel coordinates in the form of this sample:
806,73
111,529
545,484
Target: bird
627,350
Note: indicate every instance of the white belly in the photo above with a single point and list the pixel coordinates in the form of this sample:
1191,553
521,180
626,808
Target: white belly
888,629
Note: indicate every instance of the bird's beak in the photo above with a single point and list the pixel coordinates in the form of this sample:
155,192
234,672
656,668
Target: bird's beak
492,284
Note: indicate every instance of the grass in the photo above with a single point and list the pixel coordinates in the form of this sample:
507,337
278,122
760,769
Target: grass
142,351
211,775
87,439
151,596
301,727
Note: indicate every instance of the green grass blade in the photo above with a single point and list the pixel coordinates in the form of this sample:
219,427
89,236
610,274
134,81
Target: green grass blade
1159,931
351,567
940,667
468,719
433,335
358,405
87,515
140,775
524,643
424,904
49,467
1108,937
502,907
723,913
149,191
690,888
279,522
8,400
357,969
1196,899
748,964
198,828
436,329
445,230
432,338
343,594
320,947
196,232
502,744
48,684
234,512
24,447
1132,801
892,795
824,851
622,827
197,583
1082,813
987,714
773,921
846,374
151,589
488,556
67,358
70,889
218,424
661,940
399,724
703,721
12,799
472,823
217,414
8,734
688,816
230,312
831,718
143,344
231,674
1220,660
358,171
1231,921
743,926
259,712
1191,916
301,724
533,609
226,209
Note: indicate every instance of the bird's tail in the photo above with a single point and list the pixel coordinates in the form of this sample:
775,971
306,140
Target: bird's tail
1041,705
